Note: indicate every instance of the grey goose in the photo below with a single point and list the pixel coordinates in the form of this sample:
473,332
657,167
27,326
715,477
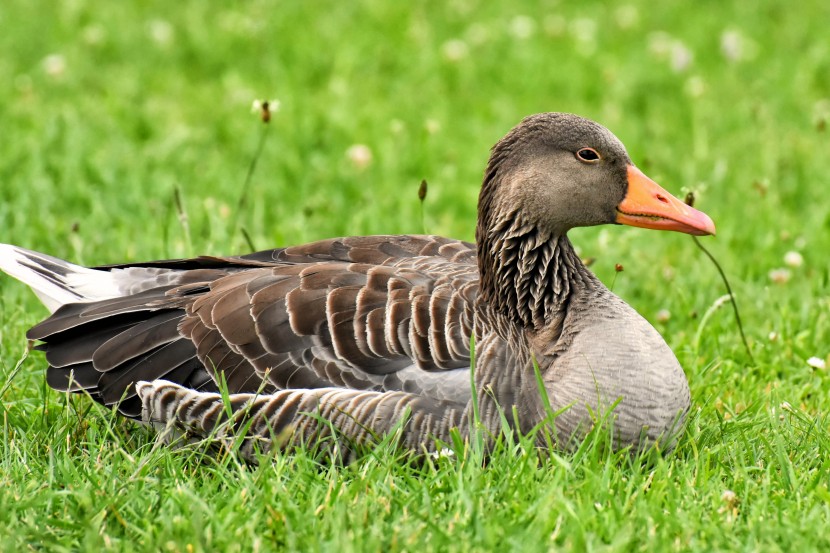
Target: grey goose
350,338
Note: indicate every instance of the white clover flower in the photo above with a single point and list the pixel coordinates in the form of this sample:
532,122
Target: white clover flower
665,47
731,45
663,316
735,46
161,31
793,259
522,27
455,50
54,65
360,155
730,507
681,57
444,452
817,363
780,276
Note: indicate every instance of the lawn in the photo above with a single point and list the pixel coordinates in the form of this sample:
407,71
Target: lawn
111,110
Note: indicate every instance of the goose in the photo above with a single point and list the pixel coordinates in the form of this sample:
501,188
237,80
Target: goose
344,340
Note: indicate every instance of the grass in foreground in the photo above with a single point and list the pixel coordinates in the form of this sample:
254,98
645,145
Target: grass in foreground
113,108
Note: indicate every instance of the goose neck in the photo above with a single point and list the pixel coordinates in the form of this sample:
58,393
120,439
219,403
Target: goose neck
527,273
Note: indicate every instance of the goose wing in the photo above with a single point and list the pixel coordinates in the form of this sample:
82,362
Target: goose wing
380,313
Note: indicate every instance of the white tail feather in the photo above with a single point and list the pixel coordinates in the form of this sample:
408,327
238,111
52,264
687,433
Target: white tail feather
55,281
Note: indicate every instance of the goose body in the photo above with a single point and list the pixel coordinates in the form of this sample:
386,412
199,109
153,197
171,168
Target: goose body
359,336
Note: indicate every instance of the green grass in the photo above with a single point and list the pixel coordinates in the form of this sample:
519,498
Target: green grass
108,107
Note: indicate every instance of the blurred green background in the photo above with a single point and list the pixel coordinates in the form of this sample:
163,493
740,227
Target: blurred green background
107,108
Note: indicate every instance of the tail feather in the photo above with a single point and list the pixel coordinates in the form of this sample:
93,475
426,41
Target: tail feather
110,327
55,281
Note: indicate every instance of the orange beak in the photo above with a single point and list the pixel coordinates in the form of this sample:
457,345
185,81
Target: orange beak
648,205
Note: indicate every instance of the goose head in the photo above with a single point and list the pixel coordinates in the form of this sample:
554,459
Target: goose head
551,173
557,171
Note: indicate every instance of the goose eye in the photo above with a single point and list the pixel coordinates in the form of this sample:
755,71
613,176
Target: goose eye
588,155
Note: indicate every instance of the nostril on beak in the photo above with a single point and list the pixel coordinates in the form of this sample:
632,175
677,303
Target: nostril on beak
662,198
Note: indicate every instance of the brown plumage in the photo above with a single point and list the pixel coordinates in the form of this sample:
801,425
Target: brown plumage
351,334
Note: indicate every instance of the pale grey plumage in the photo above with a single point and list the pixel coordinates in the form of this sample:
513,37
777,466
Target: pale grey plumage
352,333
